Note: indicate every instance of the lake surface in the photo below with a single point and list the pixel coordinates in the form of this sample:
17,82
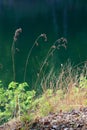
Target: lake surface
56,18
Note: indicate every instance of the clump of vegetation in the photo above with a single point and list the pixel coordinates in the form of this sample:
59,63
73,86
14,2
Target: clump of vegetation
15,100
69,92
62,90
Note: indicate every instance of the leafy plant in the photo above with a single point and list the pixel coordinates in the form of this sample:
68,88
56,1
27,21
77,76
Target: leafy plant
15,101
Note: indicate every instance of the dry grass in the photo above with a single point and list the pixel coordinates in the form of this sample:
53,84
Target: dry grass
69,91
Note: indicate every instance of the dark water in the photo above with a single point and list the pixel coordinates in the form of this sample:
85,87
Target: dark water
56,18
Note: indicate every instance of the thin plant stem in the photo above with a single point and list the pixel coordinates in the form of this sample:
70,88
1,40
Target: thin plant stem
30,51
51,51
13,59
17,32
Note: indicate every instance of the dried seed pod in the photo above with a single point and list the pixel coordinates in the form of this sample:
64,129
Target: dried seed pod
17,32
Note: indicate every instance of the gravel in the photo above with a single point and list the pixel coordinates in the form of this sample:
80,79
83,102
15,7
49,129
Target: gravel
72,120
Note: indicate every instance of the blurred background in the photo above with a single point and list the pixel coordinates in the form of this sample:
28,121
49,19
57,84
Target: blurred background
55,18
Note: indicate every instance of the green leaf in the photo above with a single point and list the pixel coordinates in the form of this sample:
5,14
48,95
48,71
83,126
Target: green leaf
13,85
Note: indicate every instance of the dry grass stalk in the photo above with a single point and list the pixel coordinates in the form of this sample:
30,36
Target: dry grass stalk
30,51
17,32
